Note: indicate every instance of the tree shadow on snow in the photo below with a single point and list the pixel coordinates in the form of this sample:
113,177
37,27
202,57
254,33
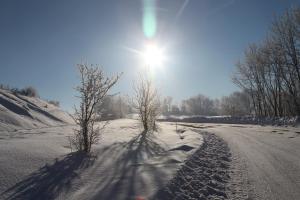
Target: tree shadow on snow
50,180
125,181
121,178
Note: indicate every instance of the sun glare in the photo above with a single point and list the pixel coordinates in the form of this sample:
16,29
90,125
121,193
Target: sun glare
153,56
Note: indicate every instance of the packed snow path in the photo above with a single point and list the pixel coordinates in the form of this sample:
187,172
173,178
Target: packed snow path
265,160
203,176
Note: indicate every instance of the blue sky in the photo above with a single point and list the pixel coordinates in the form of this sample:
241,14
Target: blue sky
42,41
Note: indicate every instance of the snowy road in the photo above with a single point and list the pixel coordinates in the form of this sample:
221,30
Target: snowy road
266,160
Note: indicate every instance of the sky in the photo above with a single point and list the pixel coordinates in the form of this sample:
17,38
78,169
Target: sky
42,41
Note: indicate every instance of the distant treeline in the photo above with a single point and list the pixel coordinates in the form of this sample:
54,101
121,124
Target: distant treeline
236,104
114,107
270,70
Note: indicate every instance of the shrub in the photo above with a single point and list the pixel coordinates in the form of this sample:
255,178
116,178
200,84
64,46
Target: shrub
93,88
29,91
53,102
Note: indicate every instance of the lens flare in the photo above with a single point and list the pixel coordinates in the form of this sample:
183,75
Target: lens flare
149,18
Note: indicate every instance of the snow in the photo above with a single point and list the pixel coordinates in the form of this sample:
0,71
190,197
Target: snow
203,176
234,160
19,112
265,160
38,163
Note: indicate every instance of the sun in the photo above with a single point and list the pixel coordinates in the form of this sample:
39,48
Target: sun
153,55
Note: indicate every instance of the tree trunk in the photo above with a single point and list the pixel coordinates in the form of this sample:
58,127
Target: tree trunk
85,138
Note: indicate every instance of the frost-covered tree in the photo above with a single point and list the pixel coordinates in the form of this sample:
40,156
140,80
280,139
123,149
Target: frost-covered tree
146,102
93,88
236,104
114,107
270,71
199,105
166,105
175,110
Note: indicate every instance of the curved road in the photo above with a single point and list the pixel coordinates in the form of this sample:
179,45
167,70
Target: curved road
266,161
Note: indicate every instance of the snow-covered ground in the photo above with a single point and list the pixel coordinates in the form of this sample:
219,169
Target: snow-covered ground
198,161
204,175
265,160
38,164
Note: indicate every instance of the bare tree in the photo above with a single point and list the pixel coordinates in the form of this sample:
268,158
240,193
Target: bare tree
270,72
146,102
166,105
92,90
175,110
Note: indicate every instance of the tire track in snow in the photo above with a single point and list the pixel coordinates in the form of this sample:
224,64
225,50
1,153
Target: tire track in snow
204,175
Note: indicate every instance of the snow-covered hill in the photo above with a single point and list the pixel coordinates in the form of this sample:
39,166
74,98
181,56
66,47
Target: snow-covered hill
19,112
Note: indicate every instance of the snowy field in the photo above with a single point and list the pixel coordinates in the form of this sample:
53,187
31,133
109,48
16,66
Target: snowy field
38,163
